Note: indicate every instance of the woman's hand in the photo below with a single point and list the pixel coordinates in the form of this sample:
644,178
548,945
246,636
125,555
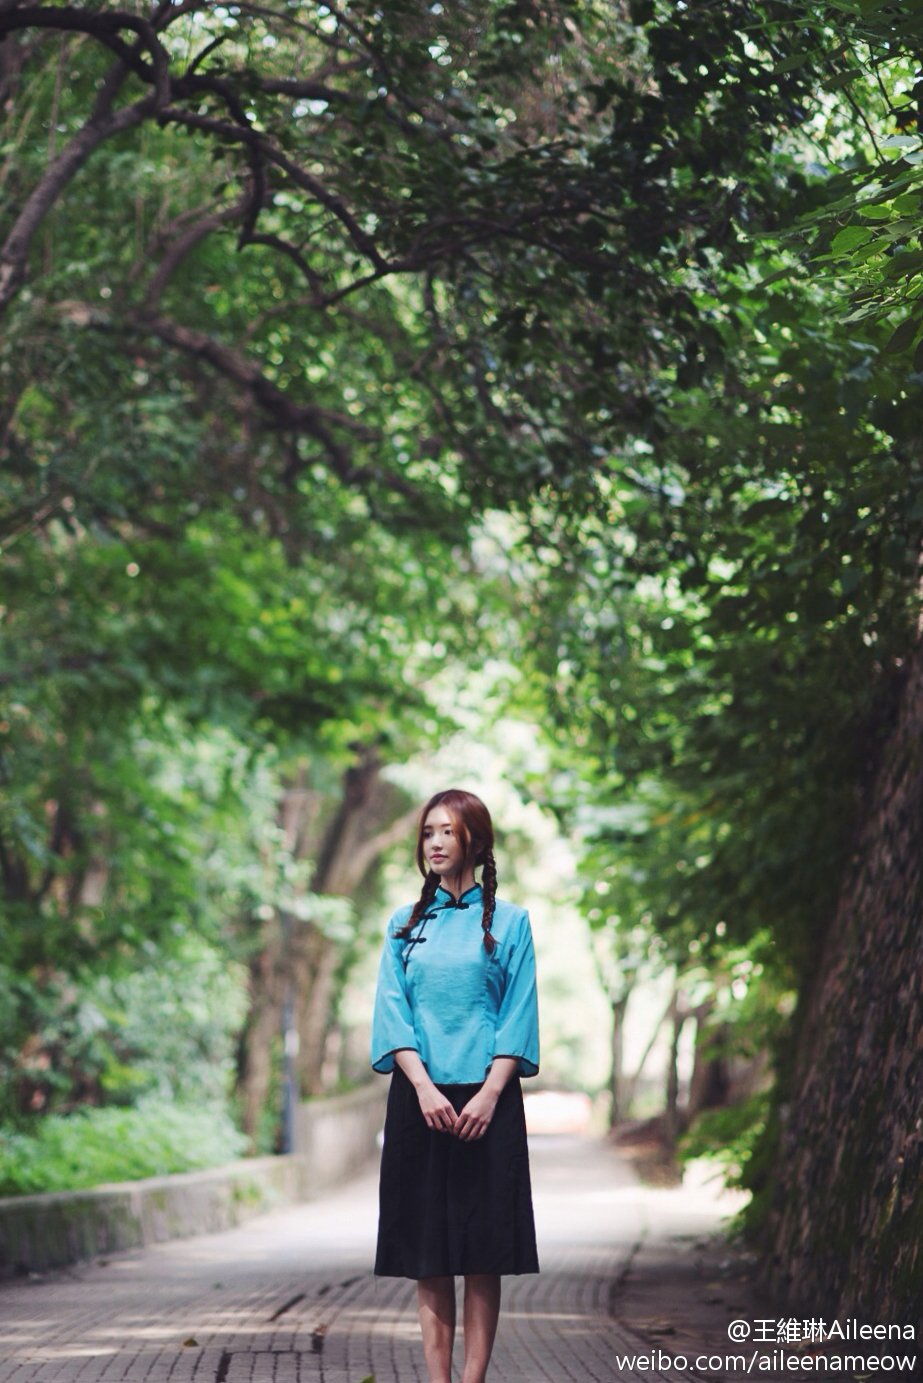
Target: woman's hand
475,1118
436,1109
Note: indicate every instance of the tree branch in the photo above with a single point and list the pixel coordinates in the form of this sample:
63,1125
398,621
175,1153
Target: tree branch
102,124
276,242
182,246
284,412
106,26
301,89
301,177
367,853
15,252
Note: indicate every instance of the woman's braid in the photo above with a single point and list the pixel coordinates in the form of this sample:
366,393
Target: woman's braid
489,887
427,894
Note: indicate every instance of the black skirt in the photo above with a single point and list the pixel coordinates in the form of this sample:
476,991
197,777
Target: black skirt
446,1207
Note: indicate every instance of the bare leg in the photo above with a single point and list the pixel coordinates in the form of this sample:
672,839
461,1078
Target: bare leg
436,1302
482,1310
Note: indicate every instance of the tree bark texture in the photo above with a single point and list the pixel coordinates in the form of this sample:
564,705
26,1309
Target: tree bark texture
262,1028
671,1119
618,1105
846,1222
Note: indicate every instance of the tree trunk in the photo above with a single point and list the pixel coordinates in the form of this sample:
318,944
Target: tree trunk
845,1229
709,1084
314,1011
671,1112
298,957
263,1025
363,827
618,1103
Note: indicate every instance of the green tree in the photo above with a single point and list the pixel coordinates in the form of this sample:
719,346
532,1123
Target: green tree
725,647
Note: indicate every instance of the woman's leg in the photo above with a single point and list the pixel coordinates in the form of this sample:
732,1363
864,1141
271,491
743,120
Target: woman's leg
482,1310
436,1302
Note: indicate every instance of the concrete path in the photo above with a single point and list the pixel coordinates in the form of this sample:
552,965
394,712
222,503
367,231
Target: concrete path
289,1298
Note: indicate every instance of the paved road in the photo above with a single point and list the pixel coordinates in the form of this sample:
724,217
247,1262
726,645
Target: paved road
289,1298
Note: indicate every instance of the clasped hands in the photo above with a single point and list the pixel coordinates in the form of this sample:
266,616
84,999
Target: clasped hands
473,1120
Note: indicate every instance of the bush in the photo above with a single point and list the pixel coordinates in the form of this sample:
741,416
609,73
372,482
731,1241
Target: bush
94,1146
727,1136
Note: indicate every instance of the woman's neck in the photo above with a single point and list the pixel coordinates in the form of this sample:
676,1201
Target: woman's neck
459,883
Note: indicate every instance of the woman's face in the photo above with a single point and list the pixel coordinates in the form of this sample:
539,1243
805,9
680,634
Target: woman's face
442,849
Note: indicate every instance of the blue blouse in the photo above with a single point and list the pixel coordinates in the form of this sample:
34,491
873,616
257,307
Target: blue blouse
442,995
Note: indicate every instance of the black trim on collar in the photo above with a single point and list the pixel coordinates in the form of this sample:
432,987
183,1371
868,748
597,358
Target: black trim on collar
452,901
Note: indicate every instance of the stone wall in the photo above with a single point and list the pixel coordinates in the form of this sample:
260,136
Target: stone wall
846,1226
334,1139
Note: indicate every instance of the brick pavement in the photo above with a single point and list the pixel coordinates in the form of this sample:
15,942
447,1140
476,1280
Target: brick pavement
289,1298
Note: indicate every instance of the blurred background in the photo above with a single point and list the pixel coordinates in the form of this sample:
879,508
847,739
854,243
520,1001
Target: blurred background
524,397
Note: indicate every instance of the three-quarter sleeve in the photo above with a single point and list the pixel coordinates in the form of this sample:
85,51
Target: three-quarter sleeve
517,1020
392,1017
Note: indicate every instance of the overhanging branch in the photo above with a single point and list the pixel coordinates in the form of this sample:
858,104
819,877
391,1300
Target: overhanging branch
281,411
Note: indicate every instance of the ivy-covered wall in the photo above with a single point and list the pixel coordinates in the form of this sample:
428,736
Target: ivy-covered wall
846,1225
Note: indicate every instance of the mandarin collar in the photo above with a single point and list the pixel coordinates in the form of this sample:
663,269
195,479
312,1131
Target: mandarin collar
446,899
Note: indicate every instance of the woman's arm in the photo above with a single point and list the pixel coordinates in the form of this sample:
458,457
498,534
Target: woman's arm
435,1108
392,1015
476,1116
517,1019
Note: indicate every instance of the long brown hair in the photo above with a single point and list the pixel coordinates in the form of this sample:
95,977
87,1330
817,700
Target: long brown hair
475,831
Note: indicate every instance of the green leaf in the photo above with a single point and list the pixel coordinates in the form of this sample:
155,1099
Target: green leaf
903,335
841,80
904,264
849,238
777,276
877,211
901,141
792,63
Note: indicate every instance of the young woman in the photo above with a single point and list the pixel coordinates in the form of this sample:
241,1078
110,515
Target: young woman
456,1023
